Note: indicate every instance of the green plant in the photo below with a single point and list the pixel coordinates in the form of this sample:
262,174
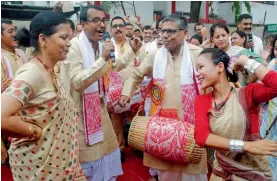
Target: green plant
236,8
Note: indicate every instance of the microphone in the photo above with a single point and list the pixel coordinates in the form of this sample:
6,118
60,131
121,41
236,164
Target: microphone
106,36
250,38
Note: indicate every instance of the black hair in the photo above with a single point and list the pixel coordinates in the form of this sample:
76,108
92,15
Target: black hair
71,23
197,37
117,17
218,56
272,50
146,27
84,11
5,21
159,21
214,26
136,30
180,20
43,23
23,37
129,24
241,34
244,16
198,24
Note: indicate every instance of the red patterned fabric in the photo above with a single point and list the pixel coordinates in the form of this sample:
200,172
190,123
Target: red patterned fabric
169,113
167,138
189,94
114,93
93,118
114,80
20,90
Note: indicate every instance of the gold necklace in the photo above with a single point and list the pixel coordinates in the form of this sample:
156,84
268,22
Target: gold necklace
52,73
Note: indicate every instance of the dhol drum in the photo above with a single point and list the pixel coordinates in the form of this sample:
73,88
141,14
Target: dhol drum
165,138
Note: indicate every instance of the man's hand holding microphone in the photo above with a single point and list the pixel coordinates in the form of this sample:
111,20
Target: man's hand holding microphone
108,48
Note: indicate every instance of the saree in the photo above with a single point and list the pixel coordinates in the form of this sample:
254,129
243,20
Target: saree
268,113
235,51
235,124
55,156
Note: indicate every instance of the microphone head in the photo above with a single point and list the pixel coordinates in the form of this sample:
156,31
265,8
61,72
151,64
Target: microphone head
106,36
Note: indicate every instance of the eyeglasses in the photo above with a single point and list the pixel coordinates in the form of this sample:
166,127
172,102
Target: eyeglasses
98,20
169,32
118,25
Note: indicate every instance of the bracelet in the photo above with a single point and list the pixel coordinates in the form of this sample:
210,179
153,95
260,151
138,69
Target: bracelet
251,65
236,146
34,132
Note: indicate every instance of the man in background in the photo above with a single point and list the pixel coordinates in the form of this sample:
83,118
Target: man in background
198,27
254,43
129,30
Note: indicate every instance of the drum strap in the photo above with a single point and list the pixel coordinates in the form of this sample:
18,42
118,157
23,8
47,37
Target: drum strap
268,130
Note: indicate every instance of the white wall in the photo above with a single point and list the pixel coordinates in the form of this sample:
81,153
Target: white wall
258,11
167,8
183,6
159,5
144,9
225,11
36,3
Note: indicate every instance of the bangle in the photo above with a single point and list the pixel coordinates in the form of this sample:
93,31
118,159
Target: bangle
34,132
252,65
236,146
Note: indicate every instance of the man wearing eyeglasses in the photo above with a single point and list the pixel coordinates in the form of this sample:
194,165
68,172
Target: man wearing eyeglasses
173,92
87,65
123,46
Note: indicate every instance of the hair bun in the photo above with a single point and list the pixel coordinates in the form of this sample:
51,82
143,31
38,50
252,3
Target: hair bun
225,57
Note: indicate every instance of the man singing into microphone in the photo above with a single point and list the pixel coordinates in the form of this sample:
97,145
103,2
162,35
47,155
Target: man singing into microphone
254,43
87,65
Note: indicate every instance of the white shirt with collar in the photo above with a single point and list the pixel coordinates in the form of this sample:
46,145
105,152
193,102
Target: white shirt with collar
258,45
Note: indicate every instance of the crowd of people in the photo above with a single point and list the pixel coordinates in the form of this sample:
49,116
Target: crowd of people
200,107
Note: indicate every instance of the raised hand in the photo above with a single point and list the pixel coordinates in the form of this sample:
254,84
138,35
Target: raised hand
138,20
126,18
266,53
136,44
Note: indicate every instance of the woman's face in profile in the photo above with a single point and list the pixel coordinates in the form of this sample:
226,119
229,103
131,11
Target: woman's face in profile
57,45
207,72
